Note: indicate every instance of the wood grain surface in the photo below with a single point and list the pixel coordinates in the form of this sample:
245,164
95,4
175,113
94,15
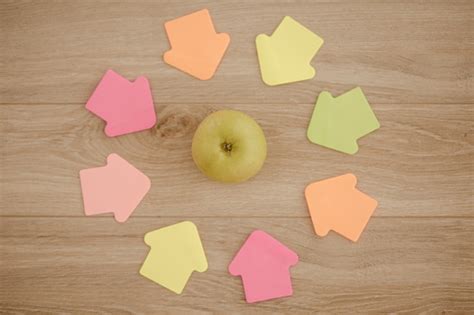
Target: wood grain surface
414,61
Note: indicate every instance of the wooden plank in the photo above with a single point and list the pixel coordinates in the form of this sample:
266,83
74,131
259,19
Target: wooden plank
398,51
418,164
86,265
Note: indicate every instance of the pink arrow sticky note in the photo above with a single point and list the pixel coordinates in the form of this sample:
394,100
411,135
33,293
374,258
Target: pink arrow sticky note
117,187
126,106
263,263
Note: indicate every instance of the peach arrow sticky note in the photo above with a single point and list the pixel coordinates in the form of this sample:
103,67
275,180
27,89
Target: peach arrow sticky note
338,122
336,204
117,187
196,48
176,251
126,106
285,56
263,263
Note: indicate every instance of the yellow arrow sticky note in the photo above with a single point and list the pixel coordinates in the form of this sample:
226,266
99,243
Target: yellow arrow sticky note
338,122
285,56
176,251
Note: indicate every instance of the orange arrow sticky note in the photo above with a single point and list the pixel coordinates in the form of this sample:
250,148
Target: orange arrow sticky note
335,204
196,48
117,187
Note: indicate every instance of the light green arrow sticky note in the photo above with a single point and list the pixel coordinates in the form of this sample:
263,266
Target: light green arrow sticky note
338,122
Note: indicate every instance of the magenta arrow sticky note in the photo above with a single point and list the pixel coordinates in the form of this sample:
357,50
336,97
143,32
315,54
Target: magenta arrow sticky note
126,106
116,188
263,263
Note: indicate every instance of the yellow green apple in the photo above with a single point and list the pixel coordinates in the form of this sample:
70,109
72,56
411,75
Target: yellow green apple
229,146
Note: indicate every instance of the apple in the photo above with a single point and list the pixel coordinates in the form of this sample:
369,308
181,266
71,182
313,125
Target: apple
229,146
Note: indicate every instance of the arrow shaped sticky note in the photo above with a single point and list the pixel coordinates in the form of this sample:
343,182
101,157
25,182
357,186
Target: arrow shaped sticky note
335,204
176,251
263,263
196,48
117,187
338,122
285,56
126,106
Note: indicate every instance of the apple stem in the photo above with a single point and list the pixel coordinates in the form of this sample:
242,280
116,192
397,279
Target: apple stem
227,146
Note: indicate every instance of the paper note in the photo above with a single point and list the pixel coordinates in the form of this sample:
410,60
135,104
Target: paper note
115,188
196,48
176,251
285,56
263,263
126,106
338,122
336,204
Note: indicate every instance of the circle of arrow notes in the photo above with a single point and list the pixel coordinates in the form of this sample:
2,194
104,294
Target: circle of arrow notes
176,251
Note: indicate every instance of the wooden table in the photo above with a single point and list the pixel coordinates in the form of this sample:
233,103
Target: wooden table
414,60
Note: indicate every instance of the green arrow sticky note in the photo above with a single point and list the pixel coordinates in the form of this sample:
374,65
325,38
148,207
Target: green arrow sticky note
285,56
338,122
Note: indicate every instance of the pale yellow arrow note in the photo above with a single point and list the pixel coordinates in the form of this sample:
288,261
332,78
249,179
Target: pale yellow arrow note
285,56
176,251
